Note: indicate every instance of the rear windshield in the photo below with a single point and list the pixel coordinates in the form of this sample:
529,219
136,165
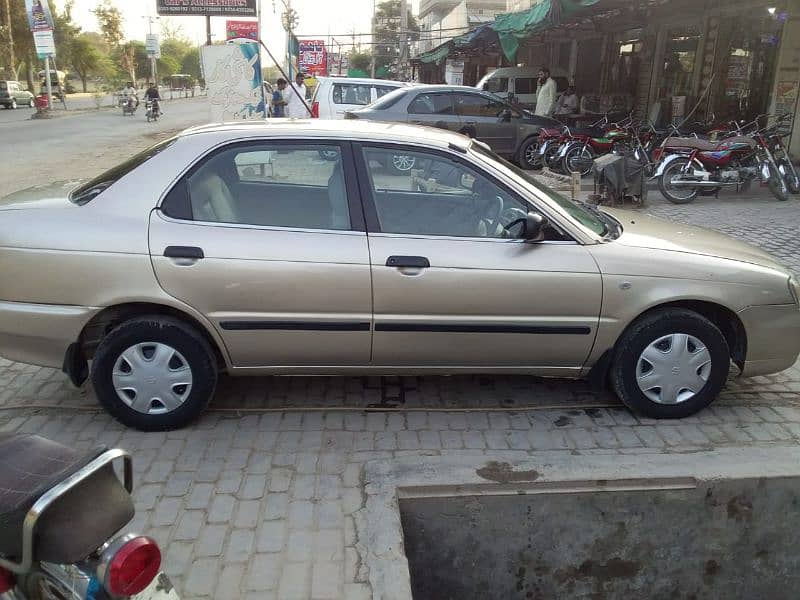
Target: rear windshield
389,100
93,188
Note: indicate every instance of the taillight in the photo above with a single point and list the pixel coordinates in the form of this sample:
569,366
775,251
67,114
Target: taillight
657,154
7,581
315,110
133,567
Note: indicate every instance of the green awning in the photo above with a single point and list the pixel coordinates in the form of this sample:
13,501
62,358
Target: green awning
435,55
512,28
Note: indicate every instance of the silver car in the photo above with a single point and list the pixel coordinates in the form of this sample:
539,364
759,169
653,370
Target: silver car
290,248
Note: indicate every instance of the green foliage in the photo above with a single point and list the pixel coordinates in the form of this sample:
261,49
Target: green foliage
360,61
389,35
90,58
191,63
110,22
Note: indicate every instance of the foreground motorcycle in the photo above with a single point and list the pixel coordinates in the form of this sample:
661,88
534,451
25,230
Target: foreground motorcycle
153,110
128,105
61,513
786,167
691,166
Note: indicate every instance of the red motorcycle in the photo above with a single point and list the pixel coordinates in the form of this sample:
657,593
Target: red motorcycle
692,166
577,154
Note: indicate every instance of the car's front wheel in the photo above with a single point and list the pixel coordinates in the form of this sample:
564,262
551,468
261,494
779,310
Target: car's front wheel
670,364
154,373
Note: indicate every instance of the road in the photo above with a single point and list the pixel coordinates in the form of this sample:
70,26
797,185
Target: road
83,143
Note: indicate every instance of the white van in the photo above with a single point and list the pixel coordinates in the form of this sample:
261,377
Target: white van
521,82
334,96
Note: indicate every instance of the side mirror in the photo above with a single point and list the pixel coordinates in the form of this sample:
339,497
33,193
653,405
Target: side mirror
534,226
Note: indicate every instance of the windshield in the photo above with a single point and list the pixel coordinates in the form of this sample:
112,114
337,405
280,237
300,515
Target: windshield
389,100
588,216
496,84
94,187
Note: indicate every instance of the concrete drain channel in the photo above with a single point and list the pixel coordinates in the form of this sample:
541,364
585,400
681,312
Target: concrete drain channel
668,538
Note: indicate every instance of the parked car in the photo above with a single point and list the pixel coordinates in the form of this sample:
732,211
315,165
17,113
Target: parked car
509,131
208,261
12,95
520,82
334,96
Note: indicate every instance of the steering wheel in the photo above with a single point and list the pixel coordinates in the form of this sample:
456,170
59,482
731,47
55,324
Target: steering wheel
513,216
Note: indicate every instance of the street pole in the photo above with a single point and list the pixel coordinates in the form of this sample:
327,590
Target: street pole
48,83
208,30
404,33
374,46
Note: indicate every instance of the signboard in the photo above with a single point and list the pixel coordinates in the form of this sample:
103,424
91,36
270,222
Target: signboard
313,57
207,8
44,42
242,30
786,97
152,46
454,72
234,82
39,17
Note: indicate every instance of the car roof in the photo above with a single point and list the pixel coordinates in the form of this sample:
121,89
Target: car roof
333,128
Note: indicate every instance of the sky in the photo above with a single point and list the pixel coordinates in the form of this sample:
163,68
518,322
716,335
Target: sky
317,18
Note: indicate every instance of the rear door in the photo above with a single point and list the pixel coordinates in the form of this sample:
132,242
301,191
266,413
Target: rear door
266,239
434,109
488,119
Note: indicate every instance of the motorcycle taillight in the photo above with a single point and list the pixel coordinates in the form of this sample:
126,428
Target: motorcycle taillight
133,567
7,580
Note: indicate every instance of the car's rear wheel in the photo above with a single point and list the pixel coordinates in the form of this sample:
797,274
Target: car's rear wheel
670,364
528,156
154,373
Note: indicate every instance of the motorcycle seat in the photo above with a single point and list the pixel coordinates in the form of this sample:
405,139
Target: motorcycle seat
592,132
78,522
691,142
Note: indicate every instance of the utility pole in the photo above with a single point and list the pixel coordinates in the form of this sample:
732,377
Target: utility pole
208,30
404,34
374,45
153,73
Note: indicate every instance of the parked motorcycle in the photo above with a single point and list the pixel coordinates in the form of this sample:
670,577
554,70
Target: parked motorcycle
577,155
692,165
775,135
552,142
61,512
153,110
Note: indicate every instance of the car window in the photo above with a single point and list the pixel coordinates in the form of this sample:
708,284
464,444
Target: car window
474,105
390,99
299,186
3,85
431,104
382,90
424,193
524,85
496,84
350,93
94,187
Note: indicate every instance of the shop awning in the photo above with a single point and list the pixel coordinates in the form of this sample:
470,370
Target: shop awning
511,28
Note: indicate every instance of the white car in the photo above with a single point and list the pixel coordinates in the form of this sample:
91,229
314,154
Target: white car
334,96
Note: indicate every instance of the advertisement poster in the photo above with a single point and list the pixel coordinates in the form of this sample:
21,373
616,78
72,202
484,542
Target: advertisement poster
207,8
39,17
44,43
233,78
236,30
152,47
313,58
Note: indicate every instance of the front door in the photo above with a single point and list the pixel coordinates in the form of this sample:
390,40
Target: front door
265,239
453,286
434,110
489,120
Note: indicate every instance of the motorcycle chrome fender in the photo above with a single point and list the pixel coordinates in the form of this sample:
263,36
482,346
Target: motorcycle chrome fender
562,152
545,145
765,170
665,162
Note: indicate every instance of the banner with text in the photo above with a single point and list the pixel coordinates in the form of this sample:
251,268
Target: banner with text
39,16
233,78
237,30
313,58
207,8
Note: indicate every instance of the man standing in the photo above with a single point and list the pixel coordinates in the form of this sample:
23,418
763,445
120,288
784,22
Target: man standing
567,103
546,96
295,107
278,100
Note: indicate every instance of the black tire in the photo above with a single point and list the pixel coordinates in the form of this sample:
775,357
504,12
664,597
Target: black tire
550,158
14,104
578,153
777,185
31,103
164,330
676,165
647,330
790,175
528,156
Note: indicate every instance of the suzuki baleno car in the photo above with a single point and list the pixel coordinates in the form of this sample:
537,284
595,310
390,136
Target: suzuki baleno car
291,248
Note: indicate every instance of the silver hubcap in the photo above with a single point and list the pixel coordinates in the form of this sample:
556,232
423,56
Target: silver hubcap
673,369
532,154
152,378
403,162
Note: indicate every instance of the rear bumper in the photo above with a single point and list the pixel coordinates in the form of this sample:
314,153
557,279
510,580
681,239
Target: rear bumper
40,334
773,338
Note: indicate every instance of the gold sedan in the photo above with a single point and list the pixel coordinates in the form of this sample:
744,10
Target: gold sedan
296,248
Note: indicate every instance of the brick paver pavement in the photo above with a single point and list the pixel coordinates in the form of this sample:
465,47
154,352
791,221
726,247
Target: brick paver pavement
259,499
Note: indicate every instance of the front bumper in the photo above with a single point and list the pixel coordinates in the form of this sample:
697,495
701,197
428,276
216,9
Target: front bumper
40,334
773,338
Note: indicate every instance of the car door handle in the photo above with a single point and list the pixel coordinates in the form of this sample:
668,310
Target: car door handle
413,262
191,252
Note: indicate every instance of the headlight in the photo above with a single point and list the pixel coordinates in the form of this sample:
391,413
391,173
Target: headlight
794,288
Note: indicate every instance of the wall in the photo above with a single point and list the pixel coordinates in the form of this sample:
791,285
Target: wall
788,70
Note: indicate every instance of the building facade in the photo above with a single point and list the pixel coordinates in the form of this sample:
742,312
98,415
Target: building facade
442,20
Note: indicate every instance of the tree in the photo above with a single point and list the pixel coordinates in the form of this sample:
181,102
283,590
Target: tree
90,58
65,32
110,22
360,61
191,63
390,37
